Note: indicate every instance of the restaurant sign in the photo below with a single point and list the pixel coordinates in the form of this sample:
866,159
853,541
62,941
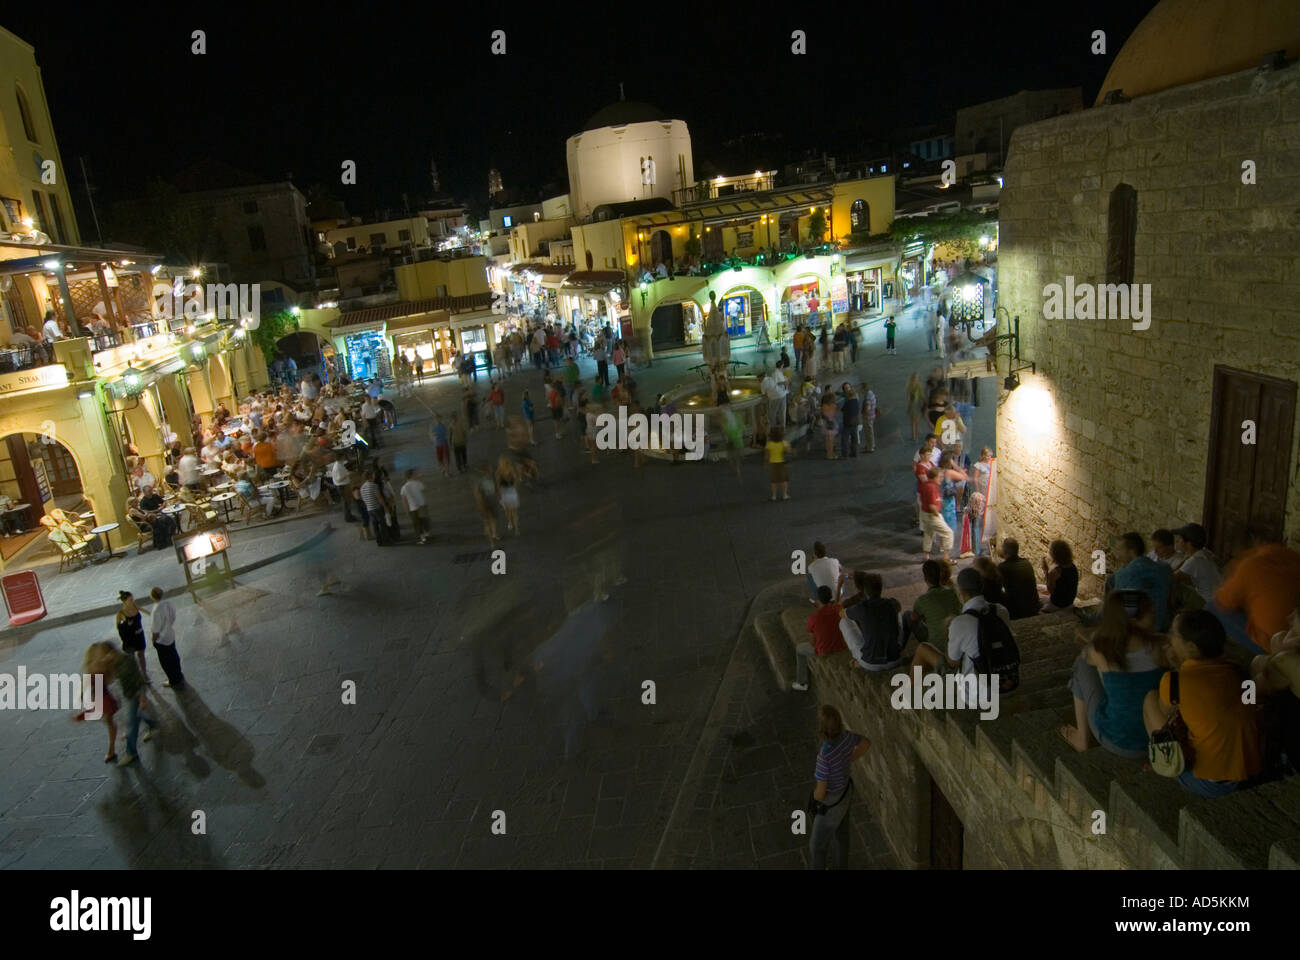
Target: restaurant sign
50,377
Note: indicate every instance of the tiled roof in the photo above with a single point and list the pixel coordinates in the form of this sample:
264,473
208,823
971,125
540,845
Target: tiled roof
411,308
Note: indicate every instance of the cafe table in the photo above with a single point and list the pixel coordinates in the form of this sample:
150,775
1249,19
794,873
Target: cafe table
224,499
279,486
105,529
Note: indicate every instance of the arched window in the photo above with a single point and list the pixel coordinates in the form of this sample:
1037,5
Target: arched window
1121,234
860,217
24,111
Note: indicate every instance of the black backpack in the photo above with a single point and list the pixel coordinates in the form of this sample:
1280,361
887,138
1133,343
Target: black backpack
998,651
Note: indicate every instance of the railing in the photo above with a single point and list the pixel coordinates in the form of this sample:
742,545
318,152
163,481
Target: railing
25,357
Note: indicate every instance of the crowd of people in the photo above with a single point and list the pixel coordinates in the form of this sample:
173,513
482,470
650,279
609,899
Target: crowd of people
1154,665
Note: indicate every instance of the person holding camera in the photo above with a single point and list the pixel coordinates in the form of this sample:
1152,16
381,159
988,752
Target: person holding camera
830,799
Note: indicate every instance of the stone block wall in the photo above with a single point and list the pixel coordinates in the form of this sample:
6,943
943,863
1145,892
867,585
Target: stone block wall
1113,432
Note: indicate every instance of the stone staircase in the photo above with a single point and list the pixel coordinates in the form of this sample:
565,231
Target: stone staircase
1026,798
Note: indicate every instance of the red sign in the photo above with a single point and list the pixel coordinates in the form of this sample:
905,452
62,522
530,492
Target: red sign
23,597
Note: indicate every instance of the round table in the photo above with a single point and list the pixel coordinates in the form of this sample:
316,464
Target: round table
279,486
107,528
224,499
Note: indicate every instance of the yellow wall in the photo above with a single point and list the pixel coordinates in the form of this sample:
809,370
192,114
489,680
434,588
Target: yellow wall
606,243
877,192
462,277
80,425
417,226
19,175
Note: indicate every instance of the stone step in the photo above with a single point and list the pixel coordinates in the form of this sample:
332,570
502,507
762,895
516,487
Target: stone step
1083,780
1143,808
1036,743
1237,831
966,722
776,644
1049,695
998,736
1285,855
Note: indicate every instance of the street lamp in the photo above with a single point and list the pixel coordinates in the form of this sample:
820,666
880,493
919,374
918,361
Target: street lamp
132,381
644,288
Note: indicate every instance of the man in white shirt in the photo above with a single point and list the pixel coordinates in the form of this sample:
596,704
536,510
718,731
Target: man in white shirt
824,571
774,388
341,477
308,388
142,478
162,622
1200,568
370,413
51,330
189,469
1164,550
963,632
413,497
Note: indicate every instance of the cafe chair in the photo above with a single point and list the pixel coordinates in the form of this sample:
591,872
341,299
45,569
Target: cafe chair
69,553
144,534
201,516
71,520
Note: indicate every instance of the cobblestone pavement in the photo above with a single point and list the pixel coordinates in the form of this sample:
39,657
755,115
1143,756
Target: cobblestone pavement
441,744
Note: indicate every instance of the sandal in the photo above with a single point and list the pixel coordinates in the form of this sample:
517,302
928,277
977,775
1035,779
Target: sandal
111,758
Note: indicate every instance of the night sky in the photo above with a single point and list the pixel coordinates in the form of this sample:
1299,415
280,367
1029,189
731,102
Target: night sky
298,90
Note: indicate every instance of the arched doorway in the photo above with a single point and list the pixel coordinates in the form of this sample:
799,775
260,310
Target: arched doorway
860,217
219,377
311,353
744,307
44,475
661,250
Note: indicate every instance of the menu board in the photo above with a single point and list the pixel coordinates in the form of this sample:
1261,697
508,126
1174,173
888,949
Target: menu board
42,479
206,544
23,598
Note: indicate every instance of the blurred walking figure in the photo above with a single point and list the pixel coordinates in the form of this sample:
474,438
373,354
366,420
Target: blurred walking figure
834,785
163,626
529,414
486,499
130,630
915,403
459,439
508,488
441,444
413,497
93,665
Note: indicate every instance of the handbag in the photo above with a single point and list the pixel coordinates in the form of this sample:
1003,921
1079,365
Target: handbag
1169,749
816,808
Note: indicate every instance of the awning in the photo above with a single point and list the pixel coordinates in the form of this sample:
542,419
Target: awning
375,317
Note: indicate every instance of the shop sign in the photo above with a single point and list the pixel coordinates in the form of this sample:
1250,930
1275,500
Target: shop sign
839,287
51,377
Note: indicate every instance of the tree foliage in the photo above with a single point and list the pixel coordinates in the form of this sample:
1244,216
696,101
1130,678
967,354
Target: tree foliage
272,328
961,230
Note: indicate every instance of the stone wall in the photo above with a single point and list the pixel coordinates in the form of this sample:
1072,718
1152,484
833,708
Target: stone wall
1113,433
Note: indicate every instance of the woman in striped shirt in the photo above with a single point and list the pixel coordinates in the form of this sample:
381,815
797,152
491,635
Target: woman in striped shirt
830,827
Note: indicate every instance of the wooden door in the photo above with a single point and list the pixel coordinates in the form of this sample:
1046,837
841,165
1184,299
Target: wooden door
947,834
64,478
1246,483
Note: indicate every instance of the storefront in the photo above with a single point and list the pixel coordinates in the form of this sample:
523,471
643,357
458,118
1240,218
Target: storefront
865,294
368,356
802,301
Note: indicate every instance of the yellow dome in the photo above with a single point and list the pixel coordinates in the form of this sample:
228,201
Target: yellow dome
1183,41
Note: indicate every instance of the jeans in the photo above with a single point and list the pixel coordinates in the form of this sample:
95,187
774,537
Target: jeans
849,440
1206,788
831,829
500,414
914,627
602,372
802,653
776,412
133,717
1234,625
378,525
462,457
869,435
171,663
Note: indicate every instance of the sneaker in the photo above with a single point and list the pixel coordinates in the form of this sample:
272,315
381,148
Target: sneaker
148,734
801,687
127,760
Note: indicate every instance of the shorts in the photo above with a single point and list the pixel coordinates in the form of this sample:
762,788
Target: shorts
779,472
509,498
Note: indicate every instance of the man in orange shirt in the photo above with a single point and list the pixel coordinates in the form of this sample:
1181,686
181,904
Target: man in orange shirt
264,454
1221,729
1261,584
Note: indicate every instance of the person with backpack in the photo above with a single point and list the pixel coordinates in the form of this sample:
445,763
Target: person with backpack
979,638
832,793
869,625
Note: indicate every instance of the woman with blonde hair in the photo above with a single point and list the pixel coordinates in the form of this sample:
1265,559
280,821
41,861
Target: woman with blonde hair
98,659
508,490
830,798
915,403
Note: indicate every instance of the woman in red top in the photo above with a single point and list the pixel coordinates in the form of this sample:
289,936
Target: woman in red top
95,665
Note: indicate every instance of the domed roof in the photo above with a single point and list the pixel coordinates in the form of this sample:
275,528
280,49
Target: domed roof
621,112
1183,41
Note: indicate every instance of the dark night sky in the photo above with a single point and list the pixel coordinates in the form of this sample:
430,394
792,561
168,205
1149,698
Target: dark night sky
298,89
